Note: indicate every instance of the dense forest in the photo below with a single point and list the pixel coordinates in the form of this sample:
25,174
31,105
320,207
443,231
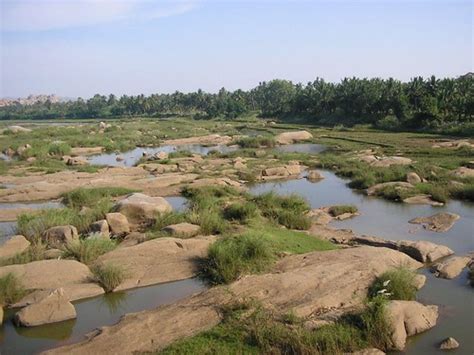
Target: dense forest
431,104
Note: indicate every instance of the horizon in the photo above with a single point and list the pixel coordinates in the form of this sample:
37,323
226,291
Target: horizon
49,47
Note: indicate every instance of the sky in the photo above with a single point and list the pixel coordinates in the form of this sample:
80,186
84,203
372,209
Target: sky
77,48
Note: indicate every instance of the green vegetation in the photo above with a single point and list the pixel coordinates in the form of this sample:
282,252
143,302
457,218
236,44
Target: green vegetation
256,142
397,284
109,276
89,197
341,209
34,252
243,212
88,250
11,289
162,220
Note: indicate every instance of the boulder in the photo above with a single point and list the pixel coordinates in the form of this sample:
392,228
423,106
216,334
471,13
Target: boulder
182,230
77,161
18,129
160,156
53,254
408,318
118,223
389,161
78,151
422,200
101,227
60,235
419,281
368,351
423,251
240,165
344,276
158,260
55,307
132,239
399,185
22,149
413,178
319,216
278,171
464,172
71,275
439,222
451,267
314,175
292,137
140,208
293,169
449,344
14,245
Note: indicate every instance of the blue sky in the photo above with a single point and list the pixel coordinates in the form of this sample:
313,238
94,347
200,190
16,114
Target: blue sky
82,47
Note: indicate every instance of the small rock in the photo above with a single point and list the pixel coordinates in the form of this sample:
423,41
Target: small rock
55,307
77,161
118,223
119,158
368,351
31,159
101,227
60,235
451,267
449,344
413,178
318,216
422,200
423,251
182,230
13,245
314,175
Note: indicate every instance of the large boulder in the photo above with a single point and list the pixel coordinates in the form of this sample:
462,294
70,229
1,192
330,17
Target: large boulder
60,235
70,275
13,245
182,230
100,227
54,307
413,178
118,223
292,137
158,260
439,222
451,267
140,208
423,251
408,318
343,277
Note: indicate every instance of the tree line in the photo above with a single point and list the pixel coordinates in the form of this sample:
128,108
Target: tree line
428,103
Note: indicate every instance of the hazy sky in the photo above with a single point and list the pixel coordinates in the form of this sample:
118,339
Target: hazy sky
82,47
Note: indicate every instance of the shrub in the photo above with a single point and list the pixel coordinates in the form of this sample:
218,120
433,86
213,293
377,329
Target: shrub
88,250
109,276
375,325
210,220
91,196
59,149
256,142
242,212
397,284
341,209
167,218
232,256
11,289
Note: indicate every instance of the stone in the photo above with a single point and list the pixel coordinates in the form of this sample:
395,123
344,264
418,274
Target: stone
211,139
413,178
160,156
22,149
314,175
102,125
71,275
419,281
60,235
158,260
292,137
119,158
141,209
319,216
423,251
373,190
101,227
77,161
118,223
31,159
132,239
464,172
78,151
18,129
55,307
182,230
13,245
368,351
408,318
389,161
294,169
240,165
439,222
422,200
278,171
449,344
451,267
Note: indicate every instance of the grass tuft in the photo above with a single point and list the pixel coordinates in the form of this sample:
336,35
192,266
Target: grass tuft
88,250
109,276
341,209
91,196
11,289
397,284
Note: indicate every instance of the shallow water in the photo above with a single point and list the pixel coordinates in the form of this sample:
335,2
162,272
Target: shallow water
178,203
309,148
30,205
131,157
91,313
390,220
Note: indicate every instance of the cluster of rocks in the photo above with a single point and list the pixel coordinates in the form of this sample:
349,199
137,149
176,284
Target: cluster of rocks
456,144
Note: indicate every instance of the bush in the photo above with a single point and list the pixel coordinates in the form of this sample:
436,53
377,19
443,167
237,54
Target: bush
375,325
397,284
59,149
109,276
389,123
242,212
88,250
11,289
210,220
89,197
232,256
341,209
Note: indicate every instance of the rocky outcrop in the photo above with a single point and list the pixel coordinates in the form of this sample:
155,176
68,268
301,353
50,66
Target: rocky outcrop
140,208
292,137
449,344
60,235
13,246
451,267
319,216
158,260
408,318
70,275
54,307
182,230
439,222
342,282
118,223
399,185
413,178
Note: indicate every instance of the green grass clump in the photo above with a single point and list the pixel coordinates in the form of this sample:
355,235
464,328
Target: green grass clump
109,276
397,284
211,220
242,212
438,193
464,192
162,220
375,324
232,256
341,209
91,196
34,252
11,289
59,149
257,142
88,250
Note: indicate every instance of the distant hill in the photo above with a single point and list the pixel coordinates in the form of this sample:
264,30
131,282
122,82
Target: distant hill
30,100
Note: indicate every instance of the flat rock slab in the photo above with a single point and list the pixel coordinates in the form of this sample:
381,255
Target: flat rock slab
422,200
292,137
213,139
439,222
451,267
72,276
14,245
159,260
306,284
182,230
